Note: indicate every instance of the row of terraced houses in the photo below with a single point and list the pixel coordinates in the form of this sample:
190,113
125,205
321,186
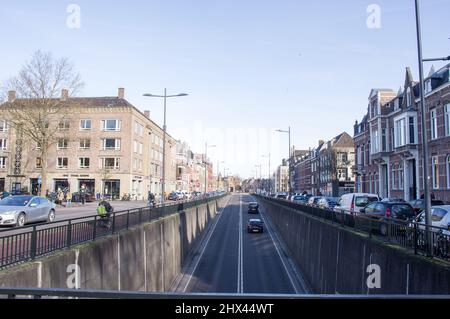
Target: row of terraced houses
385,154
388,140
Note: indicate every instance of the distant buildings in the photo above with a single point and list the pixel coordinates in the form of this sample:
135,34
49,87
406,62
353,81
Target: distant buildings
107,146
327,169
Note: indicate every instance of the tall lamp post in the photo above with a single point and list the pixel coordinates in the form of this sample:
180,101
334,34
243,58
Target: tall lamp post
270,179
206,165
289,158
425,152
165,96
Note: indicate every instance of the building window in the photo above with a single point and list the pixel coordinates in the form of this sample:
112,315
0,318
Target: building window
111,125
86,125
111,163
401,176
63,163
448,171
433,121
3,144
63,144
3,126
428,87
383,140
394,177
435,171
84,162
412,130
3,162
138,147
38,163
111,144
408,97
64,125
138,129
85,144
400,133
447,120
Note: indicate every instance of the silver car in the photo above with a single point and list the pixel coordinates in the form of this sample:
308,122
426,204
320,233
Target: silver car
20,210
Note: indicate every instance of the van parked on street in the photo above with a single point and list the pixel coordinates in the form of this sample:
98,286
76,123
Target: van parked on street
353,203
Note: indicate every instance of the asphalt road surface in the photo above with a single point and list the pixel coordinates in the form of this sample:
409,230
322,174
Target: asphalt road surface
230,260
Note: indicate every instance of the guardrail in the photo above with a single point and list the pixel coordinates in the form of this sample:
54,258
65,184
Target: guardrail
27,243
409,234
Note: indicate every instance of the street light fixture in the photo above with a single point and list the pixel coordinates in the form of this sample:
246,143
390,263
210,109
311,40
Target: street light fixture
425,152
270,179
206,166
165,96
289,158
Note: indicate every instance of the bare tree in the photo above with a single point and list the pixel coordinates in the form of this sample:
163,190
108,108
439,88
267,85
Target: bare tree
39,112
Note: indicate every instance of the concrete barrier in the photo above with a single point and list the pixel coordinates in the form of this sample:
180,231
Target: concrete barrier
145,258
337,260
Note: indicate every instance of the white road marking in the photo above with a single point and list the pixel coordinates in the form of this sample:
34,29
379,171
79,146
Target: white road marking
278,251
205,245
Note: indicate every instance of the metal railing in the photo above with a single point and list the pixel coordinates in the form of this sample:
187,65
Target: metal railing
405,233
27,243
24,293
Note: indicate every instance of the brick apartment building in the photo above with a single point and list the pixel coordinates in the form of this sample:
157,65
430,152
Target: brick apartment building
327,169
106,144
388,140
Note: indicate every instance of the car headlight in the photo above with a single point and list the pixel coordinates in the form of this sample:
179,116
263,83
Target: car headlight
8,213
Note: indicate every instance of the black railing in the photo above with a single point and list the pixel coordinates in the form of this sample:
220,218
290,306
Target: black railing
406,233
27,243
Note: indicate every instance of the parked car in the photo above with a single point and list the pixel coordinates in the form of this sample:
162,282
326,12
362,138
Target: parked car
327,202
281,195
384,211
255,226
21,210
174,196
314,201
300,199
419,204
352,203
440,217
253,208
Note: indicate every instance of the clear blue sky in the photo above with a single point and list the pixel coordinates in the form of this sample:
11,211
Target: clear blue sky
250,67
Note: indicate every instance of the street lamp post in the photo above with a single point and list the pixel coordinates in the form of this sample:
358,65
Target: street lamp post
426,177
270,179
206,166
165,96
290,155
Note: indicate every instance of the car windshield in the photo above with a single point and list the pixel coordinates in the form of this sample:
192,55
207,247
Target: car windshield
255,222
364,200
16,201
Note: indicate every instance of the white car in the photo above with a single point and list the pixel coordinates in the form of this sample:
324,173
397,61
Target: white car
440,217
353,203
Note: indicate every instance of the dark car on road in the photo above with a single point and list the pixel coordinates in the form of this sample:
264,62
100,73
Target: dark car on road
255,226
377,214
419,204
253,208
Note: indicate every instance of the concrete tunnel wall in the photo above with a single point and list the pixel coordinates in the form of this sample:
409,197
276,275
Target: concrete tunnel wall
334,259
145,258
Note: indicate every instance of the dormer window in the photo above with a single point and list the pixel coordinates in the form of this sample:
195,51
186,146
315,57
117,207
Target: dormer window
408,97
428,87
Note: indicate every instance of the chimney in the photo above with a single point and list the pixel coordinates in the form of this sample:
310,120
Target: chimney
64,94
121,93
147,114
11,96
